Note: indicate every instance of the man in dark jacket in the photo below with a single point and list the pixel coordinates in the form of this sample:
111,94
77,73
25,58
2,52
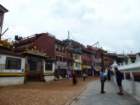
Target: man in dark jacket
119,78
109,74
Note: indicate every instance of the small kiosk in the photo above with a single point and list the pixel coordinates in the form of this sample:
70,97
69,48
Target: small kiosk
12,67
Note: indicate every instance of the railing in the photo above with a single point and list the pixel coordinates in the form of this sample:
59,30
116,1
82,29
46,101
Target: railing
131,71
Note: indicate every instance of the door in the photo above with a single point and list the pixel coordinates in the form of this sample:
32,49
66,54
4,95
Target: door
35,72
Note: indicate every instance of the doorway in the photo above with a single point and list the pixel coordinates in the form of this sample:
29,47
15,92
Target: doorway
35,72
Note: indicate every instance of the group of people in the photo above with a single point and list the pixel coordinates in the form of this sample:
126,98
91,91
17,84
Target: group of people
107,75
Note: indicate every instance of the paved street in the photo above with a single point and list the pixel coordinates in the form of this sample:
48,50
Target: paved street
41,93
92,96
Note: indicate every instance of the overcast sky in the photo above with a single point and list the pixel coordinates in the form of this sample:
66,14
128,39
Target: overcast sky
114,23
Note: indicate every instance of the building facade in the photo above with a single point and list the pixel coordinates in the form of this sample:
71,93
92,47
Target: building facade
39,51
62,56
87,61
75,50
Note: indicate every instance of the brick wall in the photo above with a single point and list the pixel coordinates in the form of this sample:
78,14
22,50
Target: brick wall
46,44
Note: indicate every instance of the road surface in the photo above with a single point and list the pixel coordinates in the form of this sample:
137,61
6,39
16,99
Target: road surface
92,96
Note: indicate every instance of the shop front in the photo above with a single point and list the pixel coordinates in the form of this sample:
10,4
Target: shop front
35,66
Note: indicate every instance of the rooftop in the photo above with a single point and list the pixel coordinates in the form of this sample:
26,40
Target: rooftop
3,9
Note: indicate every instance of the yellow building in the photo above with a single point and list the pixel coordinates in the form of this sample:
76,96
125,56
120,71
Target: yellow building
77,63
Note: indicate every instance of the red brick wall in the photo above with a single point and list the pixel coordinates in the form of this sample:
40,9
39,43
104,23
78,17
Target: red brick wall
87,59
46,44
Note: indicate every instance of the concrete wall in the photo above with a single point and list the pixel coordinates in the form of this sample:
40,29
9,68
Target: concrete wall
5,81
137,91
130,86
12,80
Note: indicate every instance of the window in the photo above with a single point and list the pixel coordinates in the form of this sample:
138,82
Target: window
76,56
13,63
57,49
78,65
48,66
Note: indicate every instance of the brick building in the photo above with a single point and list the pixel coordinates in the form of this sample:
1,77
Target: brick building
96,58
87,61
59,55
76,53
43,42
39,51
63,58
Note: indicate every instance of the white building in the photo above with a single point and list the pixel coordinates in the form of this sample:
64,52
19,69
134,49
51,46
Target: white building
12,67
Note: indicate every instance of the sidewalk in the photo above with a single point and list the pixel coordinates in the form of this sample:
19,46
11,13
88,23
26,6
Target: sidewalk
37,93
92,96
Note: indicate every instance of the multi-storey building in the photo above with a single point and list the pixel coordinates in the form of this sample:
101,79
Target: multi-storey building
59,57
76,52
96,58
39,50
87,61
109,59
43,42
63,58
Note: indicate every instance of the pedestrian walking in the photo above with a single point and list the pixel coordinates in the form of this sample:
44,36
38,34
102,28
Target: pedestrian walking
119,78
102,79
84,76
74,78
69,74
